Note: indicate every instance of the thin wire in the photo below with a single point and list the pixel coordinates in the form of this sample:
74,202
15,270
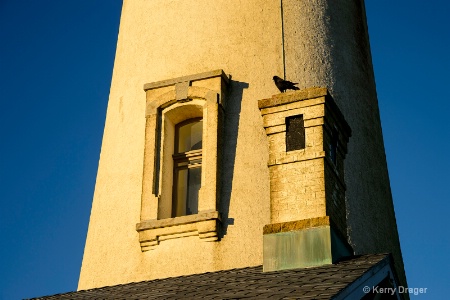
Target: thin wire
282,40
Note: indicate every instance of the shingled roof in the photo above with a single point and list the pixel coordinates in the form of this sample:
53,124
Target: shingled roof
344,280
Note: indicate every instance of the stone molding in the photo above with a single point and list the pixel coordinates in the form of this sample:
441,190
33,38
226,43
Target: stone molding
188,78
204,224
296,225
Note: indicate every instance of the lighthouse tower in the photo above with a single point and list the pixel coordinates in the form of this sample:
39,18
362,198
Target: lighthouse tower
205,166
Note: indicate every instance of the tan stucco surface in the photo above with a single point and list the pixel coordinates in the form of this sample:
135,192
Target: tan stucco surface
163,39
327,45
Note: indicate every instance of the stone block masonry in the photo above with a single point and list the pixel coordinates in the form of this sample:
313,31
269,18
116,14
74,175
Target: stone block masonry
307,183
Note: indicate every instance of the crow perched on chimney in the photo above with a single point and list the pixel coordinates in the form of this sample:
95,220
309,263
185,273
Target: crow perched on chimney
284,85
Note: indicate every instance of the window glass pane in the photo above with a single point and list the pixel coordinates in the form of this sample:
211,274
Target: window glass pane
179,205
190,136
194,180
188,183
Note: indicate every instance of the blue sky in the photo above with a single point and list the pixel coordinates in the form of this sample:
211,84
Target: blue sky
56,60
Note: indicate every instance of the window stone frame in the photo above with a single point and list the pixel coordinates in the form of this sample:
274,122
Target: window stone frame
168,103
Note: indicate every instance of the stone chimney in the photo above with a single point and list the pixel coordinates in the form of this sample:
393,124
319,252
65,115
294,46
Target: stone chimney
308,138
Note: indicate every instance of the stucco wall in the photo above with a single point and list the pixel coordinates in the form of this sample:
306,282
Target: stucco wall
163,39
326,44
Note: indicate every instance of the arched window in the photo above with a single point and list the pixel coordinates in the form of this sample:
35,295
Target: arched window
180,182
187,162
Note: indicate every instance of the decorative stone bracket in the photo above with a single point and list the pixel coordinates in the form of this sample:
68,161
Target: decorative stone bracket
204,224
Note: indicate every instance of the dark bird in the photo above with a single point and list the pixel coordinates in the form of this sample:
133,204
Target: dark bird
284,85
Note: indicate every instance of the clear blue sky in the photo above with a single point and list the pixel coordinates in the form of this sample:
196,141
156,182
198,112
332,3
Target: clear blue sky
56,59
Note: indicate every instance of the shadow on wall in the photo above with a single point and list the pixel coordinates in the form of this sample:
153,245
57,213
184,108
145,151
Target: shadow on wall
231,126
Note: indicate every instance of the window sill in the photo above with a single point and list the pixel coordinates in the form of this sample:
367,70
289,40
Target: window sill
204,224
